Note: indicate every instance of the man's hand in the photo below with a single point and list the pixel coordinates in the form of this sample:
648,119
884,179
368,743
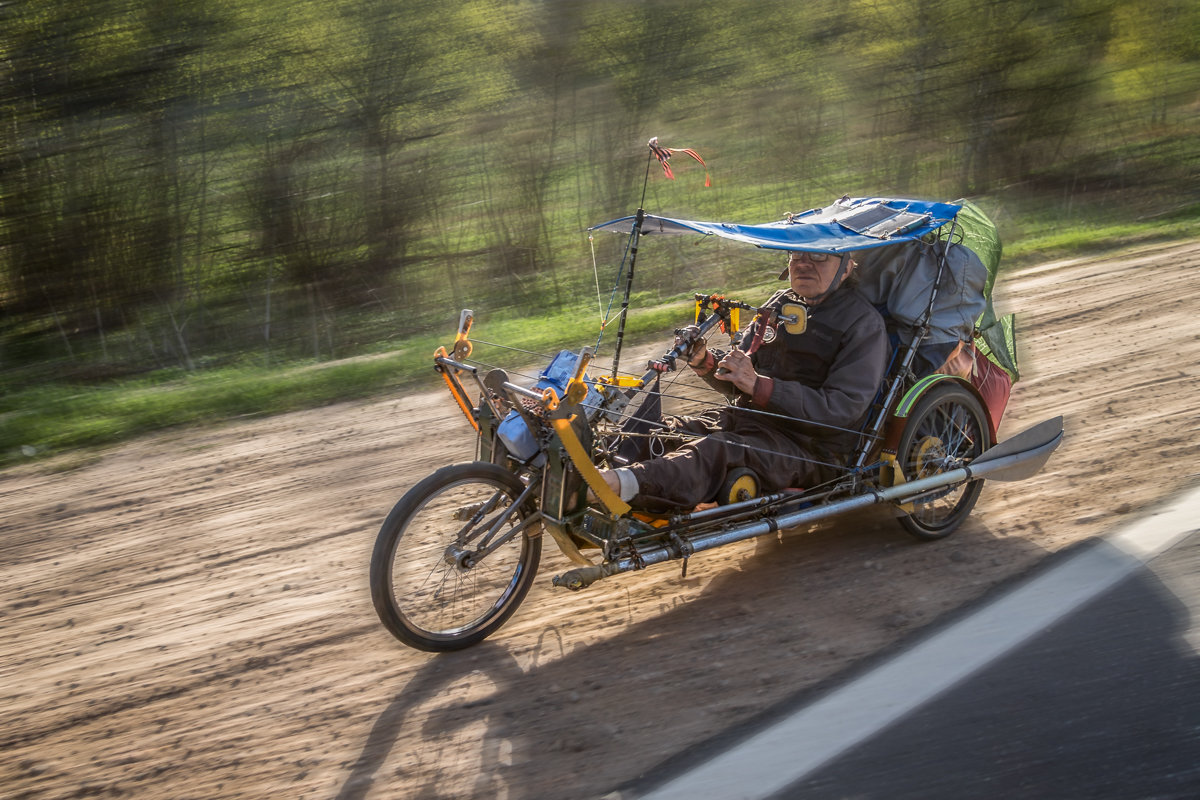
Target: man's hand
696,347
740,371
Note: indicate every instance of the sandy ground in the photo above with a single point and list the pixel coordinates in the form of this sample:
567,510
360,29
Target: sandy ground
187,616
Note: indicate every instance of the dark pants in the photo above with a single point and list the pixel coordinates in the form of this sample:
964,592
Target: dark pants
694,472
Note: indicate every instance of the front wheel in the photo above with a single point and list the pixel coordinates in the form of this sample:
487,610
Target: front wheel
453,560
947,429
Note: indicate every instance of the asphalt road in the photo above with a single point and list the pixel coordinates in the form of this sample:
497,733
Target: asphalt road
1104,704
1083,681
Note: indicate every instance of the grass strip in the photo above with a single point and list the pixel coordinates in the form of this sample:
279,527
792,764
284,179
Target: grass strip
50,419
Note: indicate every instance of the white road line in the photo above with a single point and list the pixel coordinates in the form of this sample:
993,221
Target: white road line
794,747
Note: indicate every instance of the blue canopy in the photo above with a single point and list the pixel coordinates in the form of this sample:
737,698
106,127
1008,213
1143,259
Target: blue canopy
847,225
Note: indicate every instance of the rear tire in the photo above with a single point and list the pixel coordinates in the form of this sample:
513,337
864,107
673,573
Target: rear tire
947,429
427,589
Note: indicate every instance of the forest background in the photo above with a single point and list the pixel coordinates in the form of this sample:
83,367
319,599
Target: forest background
221,207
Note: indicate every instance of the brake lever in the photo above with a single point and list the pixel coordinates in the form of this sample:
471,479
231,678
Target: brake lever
667,362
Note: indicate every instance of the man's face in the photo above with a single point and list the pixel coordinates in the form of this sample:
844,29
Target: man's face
811,273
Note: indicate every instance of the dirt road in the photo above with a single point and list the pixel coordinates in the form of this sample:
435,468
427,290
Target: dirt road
187,616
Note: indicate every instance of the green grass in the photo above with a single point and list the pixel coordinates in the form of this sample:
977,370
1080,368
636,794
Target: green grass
54,418
1095,239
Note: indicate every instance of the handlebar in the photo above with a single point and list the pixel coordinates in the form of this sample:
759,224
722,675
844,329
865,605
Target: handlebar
667,362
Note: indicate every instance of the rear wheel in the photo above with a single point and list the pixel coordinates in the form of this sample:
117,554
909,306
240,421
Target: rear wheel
450,565
946,430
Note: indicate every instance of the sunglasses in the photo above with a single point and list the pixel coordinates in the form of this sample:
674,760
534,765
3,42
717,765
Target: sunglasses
815,258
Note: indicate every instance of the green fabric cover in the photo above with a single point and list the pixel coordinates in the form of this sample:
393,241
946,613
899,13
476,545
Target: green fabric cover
997,336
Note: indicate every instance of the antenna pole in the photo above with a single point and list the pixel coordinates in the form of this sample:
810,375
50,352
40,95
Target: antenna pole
634,236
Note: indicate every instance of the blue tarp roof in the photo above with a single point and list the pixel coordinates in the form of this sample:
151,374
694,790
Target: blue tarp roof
847,225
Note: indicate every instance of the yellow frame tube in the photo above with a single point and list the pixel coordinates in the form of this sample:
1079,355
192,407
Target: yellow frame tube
582,461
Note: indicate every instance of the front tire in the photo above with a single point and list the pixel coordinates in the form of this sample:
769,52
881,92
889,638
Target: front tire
947,429
428,589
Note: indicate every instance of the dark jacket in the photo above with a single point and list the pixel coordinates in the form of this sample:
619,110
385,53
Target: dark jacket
823,380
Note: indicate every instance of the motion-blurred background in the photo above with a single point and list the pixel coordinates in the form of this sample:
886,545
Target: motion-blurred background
201,184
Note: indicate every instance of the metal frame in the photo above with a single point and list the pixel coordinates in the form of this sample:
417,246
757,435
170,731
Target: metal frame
564,469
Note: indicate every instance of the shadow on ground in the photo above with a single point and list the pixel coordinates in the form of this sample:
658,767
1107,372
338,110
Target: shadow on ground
794,611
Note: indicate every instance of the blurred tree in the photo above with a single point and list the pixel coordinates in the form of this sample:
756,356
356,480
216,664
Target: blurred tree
94,195
540,52
394,158
298,223
169,37
1004,80
1154,40
375,66
636,56
794,94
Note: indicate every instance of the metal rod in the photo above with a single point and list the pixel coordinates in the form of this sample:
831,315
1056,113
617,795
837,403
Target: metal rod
672,355
634,235
900,493
485,545
449,362
521,390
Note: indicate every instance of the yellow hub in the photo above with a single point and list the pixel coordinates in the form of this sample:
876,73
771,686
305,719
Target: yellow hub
930,456
743,487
